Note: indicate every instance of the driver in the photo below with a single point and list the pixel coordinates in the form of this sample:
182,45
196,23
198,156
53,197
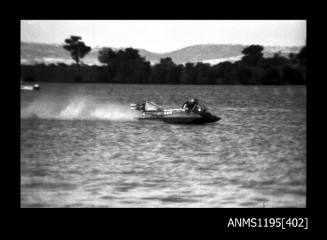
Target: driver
190,105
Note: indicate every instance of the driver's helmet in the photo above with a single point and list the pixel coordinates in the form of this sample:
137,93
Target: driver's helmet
194,101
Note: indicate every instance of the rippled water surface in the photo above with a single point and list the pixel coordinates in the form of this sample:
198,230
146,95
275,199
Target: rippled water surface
81,147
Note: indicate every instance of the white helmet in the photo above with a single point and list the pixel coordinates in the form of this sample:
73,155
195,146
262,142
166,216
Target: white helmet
194,100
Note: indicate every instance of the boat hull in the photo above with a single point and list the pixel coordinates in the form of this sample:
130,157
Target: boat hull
180,117
181,120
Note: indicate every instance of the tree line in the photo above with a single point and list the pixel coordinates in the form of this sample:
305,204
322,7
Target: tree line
127,66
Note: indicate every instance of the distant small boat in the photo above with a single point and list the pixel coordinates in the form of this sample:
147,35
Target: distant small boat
30,87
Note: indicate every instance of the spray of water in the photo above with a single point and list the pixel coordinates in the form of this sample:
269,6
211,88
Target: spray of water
77,108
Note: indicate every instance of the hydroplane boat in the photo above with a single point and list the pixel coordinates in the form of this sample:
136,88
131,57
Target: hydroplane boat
152,111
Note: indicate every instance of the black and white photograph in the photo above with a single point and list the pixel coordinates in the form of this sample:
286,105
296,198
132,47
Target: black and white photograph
163,113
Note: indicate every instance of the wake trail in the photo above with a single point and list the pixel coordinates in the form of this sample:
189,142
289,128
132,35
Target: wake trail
76,108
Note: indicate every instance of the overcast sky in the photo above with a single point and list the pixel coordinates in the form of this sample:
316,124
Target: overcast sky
166,35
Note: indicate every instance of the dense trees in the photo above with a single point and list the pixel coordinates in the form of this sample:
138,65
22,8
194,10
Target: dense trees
76,47
252,54
127,66
124,66
166,71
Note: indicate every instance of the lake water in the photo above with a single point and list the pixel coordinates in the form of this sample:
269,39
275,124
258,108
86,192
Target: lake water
82,147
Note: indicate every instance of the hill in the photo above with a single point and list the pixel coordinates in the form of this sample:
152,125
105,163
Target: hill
32,53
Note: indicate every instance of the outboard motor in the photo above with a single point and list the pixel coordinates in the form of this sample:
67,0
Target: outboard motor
139,107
